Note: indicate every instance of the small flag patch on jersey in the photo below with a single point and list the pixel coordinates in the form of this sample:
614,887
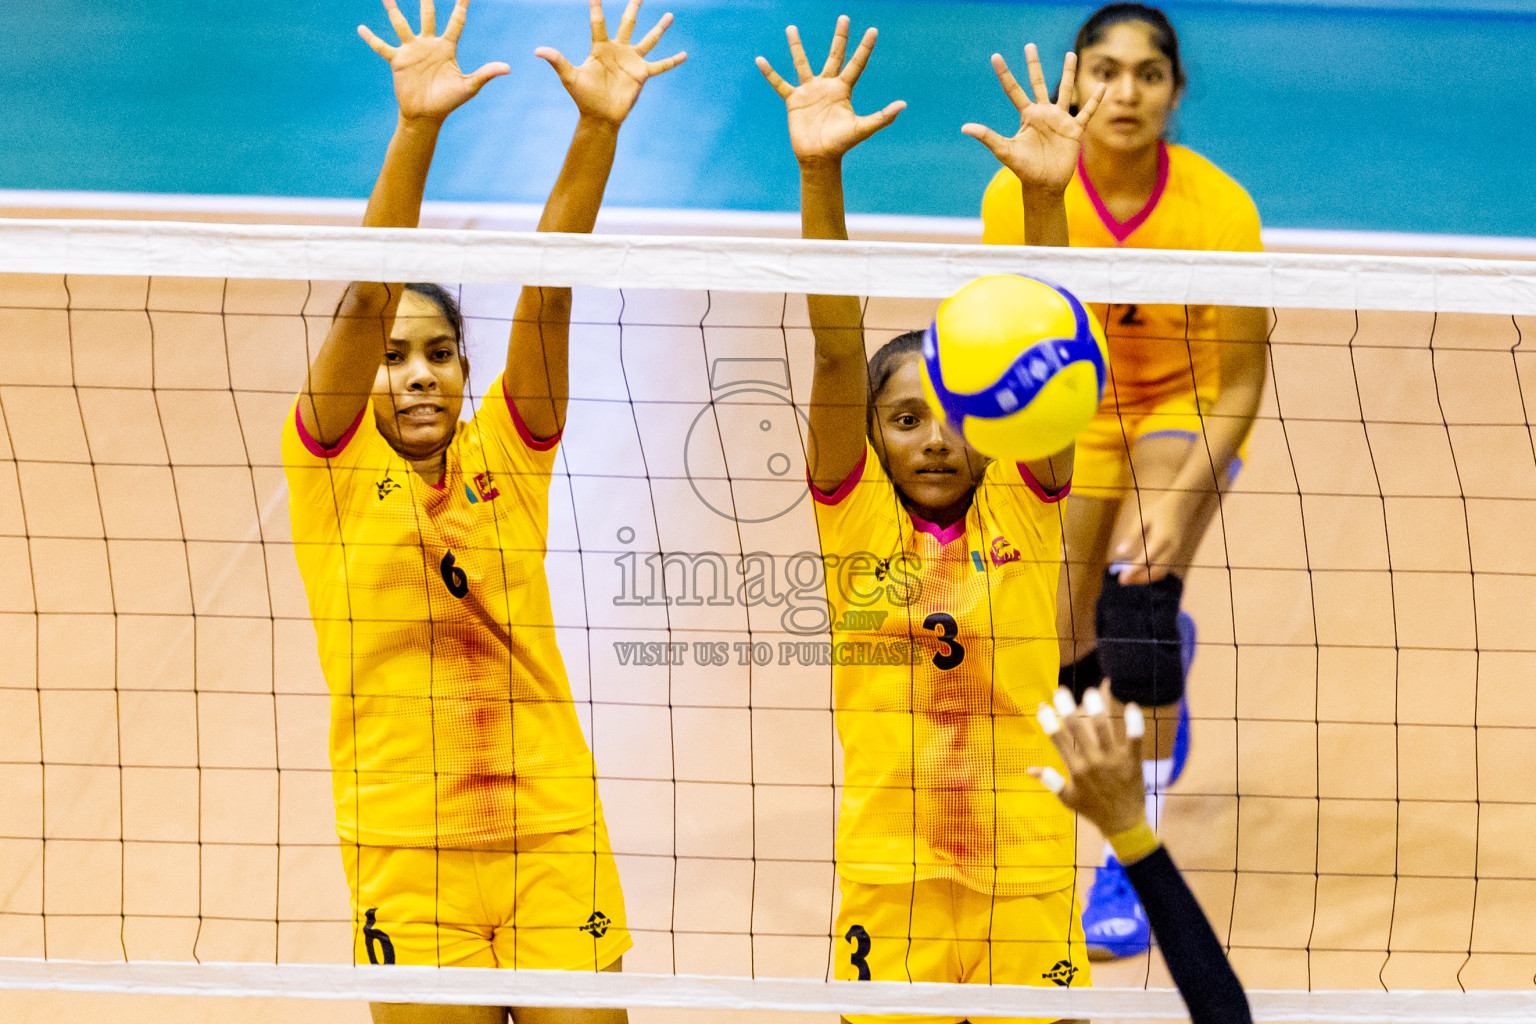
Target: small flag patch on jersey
976,561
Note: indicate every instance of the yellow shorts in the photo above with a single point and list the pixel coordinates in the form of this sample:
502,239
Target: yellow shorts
1102,467
549,902
943,931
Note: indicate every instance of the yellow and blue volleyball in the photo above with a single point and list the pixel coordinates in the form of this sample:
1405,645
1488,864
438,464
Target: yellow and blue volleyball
1016,365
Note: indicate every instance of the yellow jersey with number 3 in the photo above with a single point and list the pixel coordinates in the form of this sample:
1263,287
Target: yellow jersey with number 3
1154,350
452,722
943,647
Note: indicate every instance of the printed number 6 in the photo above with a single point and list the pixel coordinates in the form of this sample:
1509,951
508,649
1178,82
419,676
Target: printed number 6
944,624
453,577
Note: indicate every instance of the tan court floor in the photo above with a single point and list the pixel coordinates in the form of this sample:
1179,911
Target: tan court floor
1359,806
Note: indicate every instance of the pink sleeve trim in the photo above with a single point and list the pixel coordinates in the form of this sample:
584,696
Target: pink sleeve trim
522,428
843,489
1040,492
319,450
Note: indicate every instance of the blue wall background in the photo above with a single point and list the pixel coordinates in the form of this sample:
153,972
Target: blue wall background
1377,115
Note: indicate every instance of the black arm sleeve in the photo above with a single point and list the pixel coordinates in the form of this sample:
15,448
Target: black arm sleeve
1194,956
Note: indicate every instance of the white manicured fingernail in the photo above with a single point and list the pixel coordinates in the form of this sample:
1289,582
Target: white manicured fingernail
1065,705
1051,779
1135,722
1093,702
1048,720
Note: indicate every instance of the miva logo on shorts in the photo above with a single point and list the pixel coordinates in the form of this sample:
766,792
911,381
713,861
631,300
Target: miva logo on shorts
597,924
1062,974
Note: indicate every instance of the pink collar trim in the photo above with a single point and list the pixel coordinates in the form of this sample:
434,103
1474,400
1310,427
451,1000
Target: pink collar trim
944,534
1124,229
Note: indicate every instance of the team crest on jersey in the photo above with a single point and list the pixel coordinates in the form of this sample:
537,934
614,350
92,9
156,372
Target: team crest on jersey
1003,552
484,489
1062,974
597,924
386,487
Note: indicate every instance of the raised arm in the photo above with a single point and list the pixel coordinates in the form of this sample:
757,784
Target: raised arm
428,87
1043,155
1105,786
605,88
822,128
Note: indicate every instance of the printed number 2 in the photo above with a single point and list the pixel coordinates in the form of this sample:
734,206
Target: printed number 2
453,577
860,938
372,934
1130,319
943,624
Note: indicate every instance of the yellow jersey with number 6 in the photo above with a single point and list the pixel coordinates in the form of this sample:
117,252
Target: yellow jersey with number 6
943,647
451,716
1155,350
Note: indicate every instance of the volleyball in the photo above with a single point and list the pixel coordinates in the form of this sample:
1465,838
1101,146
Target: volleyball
1016,365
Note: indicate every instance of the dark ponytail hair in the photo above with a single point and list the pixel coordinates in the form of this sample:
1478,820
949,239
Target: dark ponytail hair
447,305
884,364
1164,38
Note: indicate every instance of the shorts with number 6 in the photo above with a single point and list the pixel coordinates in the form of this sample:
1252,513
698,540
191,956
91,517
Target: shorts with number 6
942,931
548,902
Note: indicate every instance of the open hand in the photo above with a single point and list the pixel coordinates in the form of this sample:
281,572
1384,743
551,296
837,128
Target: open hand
1104,782
428,83
822,124
1043,155
1152,555
606,85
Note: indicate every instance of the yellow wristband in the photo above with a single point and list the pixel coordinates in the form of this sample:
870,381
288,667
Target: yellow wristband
1133,844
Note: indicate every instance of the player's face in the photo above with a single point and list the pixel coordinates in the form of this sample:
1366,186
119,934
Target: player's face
420,387
1140,91
930,464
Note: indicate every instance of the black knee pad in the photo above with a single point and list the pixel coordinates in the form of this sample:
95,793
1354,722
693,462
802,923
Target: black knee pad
1138,628
1081,676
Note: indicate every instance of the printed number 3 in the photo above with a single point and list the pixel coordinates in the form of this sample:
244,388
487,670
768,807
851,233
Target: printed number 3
943,624
453,577
860,938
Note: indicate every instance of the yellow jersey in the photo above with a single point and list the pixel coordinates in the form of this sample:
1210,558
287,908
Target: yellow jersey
1154,350
452,722
943,647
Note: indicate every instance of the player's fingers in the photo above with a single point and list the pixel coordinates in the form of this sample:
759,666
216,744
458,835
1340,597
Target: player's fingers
1097,718
998,144
860,58
486,72
1067,90
1016,94
378,45
1050,778
1063,702
599,23
1085,112
869,124
797,54
653,37
456,21
1050,721
557,61
1135,729
783,88
839,49
1036,74
428,18
627,22
397,21
658,67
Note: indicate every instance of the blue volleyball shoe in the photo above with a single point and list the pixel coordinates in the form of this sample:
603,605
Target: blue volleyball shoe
1114,924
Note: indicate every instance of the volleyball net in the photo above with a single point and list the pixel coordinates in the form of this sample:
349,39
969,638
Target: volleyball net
1357,817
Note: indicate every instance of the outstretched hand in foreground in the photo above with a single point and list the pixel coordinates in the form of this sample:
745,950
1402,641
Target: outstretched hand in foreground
822,124
428,82
1103,760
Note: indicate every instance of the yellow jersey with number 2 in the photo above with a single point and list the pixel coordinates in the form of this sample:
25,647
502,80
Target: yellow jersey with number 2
943,647
1154,350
